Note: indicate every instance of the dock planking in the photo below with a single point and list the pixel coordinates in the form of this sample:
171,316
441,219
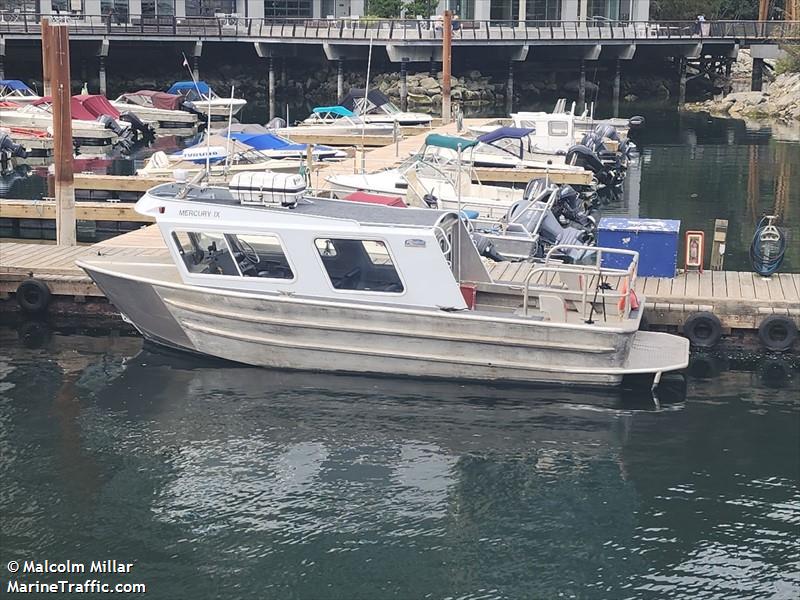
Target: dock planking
740,299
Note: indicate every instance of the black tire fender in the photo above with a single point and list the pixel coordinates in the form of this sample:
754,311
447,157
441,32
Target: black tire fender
33,295
777,332
703,329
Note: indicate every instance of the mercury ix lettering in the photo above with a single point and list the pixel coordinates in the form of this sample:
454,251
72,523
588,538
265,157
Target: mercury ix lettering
202,214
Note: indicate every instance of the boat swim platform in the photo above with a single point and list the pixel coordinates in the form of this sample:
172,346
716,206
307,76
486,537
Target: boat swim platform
740,300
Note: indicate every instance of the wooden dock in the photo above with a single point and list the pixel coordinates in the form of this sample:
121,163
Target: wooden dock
740,300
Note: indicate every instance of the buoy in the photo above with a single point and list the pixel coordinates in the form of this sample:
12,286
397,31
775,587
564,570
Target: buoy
703,329
634,300
777,333
33,295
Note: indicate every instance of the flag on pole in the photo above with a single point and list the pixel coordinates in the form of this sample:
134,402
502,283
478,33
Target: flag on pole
185,62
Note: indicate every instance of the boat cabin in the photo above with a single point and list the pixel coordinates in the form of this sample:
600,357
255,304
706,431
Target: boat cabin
316,248
551,133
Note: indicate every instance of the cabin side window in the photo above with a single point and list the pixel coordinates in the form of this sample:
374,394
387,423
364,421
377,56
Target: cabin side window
363,265
558,128
204,253
260,256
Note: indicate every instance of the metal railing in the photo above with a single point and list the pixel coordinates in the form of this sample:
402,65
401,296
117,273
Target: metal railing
364,29
594,276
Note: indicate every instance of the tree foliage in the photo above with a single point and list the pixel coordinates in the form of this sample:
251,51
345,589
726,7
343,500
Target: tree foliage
687,10
392,9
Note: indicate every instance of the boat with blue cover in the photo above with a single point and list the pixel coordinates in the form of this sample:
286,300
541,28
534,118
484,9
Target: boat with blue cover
14,90
276,146
200,98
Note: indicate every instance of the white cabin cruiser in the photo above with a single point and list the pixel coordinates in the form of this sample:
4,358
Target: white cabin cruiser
201,99
375,107
352,287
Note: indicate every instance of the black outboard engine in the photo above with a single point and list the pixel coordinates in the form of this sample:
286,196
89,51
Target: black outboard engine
606,130
585,157
111,124
570,207
126,137
534,188
147,132
486,248
10,149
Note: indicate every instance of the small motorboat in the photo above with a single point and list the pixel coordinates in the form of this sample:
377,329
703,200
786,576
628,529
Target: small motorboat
377,108
338,120
162,109
328,285
201,99
223,156
276,146
14,90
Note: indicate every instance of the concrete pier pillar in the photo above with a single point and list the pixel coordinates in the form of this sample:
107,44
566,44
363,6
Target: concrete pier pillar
617,86
339,80
284,75
196,66
757,81
582,88
2,66
271,89
432,68
681,81
404,85
103,88
510,88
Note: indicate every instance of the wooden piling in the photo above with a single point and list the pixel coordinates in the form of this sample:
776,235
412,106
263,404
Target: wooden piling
404,85
58,64
45,24
447,43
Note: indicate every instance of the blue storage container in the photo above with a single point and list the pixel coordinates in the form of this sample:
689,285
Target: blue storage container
656,241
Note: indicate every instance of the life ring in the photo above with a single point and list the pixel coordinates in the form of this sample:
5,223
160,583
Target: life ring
33,295
703,329
777,333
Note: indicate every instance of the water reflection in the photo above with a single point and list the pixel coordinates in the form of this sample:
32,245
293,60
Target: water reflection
352,487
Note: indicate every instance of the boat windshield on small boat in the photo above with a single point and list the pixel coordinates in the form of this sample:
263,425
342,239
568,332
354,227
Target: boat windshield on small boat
328,285
338,120
376,107
200,98
14,90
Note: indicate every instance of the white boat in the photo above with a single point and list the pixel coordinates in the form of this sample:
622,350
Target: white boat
14,90
352,287
435,176
201,99
225,158
160,108
337,120
377,108
85,133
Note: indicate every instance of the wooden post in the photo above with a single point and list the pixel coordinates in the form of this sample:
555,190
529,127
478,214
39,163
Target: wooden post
447,43
61,91
45,57
718,244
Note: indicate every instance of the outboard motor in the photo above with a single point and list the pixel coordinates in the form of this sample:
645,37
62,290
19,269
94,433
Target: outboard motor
606,130
111,124
570,207
147,131
550,231
10,149
276,123
585,157
486,247
535,188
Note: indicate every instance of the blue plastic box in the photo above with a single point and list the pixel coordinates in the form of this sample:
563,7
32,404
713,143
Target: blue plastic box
656,241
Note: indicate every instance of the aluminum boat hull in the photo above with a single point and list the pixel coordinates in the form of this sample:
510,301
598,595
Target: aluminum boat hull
287,332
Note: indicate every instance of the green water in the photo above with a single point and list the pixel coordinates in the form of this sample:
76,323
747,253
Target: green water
223,482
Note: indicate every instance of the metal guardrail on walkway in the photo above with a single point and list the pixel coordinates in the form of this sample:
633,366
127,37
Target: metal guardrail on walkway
399,30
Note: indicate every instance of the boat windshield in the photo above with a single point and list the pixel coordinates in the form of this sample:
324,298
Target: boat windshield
390,108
